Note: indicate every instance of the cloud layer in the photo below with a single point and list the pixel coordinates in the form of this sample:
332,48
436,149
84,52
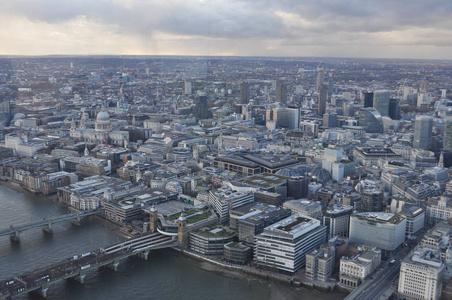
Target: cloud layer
362,28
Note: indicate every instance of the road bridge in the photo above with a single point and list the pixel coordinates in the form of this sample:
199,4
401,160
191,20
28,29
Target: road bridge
46,224
77,267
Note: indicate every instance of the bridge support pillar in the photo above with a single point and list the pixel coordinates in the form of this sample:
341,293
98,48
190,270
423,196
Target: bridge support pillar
77,222
43,292
80,278
145,254
48,229
15,237
114,266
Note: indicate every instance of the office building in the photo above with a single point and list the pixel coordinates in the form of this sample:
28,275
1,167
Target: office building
439,209
237,253
257,217
284,245
281,92
320,263
337,220
421,275
244,92
210,240
201,108
381,102
371,196
394,109
388,227
282,117
423,132
322,99
305,207
224,199
370,119
368,99
447,137
188,87
353,270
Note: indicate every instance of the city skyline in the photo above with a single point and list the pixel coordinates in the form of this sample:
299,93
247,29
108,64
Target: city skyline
375,29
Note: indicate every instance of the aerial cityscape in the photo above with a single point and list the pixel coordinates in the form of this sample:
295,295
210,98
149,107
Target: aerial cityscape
224,171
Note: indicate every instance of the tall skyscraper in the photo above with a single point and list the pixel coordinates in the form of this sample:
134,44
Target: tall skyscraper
381,102
244,92
368,99
322,99
447,138
187,87
394,109
423,132
201,109
281,91
319,79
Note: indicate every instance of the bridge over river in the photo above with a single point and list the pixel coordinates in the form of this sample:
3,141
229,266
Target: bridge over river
46,224
77,267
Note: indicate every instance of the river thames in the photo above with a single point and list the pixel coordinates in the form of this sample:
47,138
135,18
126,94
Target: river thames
167,275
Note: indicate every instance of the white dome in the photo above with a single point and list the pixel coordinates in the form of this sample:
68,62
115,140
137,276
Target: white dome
103,116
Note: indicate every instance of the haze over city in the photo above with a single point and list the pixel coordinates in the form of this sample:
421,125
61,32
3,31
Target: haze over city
335,28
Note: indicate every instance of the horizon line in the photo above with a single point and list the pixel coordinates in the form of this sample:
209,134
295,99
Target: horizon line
223,56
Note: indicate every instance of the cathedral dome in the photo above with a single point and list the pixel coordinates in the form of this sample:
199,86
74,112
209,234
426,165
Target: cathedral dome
103,116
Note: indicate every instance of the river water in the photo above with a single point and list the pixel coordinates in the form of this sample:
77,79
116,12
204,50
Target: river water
167,275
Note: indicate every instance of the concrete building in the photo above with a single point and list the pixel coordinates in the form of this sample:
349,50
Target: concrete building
224,199
381,101
282,117
388,227
237,253
421,275
423,132
439,209
256,219
244,92
320,263
305,207
353,270
447,137
210,240
284,244
337,220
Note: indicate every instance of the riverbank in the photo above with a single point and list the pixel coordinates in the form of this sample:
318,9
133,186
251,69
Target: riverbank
243,272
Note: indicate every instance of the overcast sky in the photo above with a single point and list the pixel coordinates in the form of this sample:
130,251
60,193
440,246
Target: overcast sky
350,28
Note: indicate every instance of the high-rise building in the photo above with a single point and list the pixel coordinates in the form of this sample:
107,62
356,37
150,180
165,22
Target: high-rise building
370,119
244,92
394,109
283,117
368,99
281,91
423,132
381,102
284,244
322,99
319,79
447,138
201,108
421,275
187,87
330,120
